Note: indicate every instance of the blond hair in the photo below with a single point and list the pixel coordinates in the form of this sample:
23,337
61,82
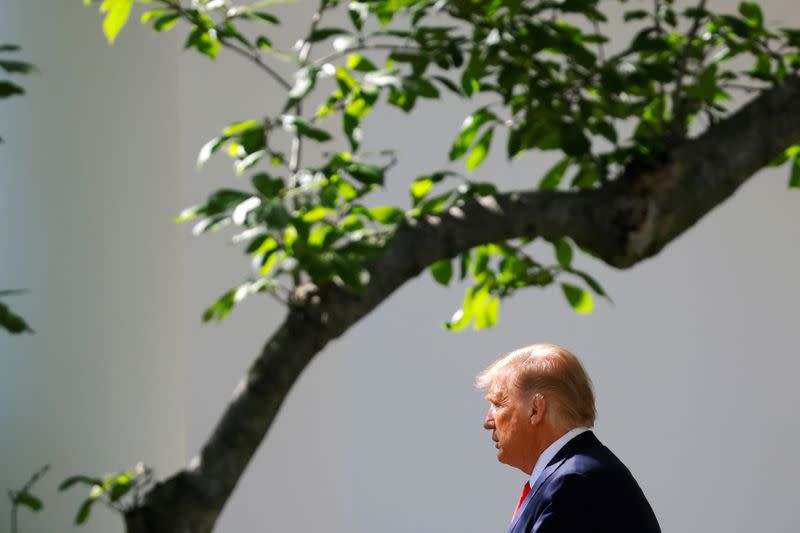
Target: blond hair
553,372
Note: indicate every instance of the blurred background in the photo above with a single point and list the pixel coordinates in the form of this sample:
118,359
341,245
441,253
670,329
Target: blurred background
694,364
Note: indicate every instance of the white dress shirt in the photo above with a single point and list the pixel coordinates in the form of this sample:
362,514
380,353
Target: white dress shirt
552,450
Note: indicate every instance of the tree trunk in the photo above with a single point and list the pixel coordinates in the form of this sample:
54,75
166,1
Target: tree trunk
624,222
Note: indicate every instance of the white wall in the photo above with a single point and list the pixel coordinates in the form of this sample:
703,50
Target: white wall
693,365
89,181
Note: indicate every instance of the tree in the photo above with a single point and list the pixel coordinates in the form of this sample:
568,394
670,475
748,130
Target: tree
647,147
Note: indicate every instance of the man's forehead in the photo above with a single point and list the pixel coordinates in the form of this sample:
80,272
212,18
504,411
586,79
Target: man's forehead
499,384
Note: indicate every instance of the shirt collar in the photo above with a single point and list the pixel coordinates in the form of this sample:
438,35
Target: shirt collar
551,451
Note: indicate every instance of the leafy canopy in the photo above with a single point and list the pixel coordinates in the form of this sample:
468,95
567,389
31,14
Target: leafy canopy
555,86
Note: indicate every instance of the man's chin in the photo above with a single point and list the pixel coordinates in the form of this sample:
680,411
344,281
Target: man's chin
501,457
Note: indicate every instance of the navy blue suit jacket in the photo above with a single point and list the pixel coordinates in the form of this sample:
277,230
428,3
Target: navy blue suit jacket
585,489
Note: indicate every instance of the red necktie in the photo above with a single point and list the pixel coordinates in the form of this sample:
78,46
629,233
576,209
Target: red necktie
525,490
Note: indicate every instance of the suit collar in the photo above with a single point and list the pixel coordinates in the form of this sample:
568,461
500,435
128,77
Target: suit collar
582,442
551,451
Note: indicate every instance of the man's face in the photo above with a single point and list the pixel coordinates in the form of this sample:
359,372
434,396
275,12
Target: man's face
509,419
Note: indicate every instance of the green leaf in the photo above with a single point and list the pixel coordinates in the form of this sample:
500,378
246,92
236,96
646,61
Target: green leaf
367,174
346,190
221,308
607,130
321,34
580,300
350,125
483,308
469,131
488,314
360,63
553,178
84,480
16,67
778,161
794,181
84,511
563,253
305,81
386,214
475,298
469,84
316,214
190,213
224,200
459,321
209,148
763,68
260,16
436,204
240,127
586,176
248,161
358,12
449,84
12,322
117,13
147,16
636,15
751,12
442,271
706,87
28,500
202,39
420,188
514,144
9,89
120,486
267,185
12,292
166,22
480,150
349,271
592,283
294,124
421,87
263,42
574,140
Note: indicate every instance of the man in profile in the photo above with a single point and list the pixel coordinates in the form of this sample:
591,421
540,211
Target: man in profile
541,409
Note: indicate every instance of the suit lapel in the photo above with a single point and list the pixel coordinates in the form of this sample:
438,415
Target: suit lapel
583,440
546,473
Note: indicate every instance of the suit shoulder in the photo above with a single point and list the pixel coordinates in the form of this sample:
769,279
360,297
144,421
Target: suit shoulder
594,462
597,471
597,486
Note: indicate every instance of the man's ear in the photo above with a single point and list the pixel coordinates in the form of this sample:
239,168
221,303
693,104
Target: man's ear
538,408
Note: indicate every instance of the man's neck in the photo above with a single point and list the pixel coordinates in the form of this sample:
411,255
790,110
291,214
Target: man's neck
545,440
550,451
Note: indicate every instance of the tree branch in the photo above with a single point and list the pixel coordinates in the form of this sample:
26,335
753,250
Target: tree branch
624,222
256,58
252,56
678,99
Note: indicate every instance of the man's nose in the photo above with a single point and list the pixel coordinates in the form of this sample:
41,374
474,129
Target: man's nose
488,422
